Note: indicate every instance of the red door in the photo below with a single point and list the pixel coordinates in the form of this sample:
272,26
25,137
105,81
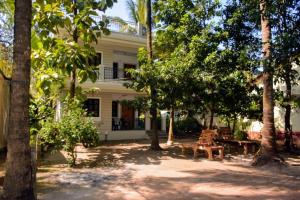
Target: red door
127,117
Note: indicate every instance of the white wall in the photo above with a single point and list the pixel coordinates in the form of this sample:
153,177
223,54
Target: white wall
125,135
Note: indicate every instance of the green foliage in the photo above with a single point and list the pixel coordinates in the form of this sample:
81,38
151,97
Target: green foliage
6,36
205,62
74,127
137,11
65,31
187,125
240,135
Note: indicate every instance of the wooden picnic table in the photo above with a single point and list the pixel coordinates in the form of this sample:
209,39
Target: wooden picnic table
245,143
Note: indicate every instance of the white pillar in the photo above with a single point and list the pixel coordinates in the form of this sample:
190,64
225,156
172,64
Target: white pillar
163,120
119,110
58,110
147,122
136,114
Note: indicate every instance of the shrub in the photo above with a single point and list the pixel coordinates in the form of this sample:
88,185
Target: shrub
187,125
240,135
73,128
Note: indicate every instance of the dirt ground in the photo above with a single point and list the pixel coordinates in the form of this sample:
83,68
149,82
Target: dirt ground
129,171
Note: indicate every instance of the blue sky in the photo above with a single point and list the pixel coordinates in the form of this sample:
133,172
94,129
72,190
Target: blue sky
119,9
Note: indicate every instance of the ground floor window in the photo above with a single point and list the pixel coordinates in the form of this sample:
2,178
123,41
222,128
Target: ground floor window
92,107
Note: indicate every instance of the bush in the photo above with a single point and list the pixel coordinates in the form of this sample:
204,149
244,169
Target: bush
73,128
240,135
188,125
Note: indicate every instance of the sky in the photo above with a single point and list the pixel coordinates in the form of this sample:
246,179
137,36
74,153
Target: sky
119,10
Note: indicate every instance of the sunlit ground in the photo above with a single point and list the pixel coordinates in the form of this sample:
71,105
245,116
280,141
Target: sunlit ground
129,171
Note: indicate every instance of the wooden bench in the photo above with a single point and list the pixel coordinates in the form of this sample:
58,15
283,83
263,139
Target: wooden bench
205,143
245,143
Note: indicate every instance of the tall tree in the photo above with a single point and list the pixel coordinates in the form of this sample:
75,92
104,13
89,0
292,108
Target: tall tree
286,46
268,145
137,11
153,92
19,178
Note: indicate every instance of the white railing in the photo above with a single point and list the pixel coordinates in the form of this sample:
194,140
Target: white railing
109,74
121,26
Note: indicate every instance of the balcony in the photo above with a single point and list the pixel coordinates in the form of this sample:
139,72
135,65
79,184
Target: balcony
119,25
112,74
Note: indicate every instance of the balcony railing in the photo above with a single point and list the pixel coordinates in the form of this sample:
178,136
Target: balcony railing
111,74
121,26
125,124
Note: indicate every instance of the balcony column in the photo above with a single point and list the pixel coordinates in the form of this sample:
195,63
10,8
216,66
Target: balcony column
136,117
58,110
147,121
163,121
140,29
119,110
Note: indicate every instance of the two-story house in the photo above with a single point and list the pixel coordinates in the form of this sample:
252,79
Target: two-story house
116,53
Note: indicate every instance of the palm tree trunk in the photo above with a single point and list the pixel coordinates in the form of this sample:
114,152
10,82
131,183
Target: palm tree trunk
74,69
19,178
268,145
149,32
287,116
171,128
153,95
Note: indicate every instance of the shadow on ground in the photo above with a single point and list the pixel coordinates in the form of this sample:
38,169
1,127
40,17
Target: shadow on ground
130,171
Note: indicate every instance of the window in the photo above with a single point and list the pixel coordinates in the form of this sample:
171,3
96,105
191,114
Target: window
92,107
114,109
96,60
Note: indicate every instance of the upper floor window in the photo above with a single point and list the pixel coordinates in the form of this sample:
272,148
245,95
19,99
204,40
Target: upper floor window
96,60
92,107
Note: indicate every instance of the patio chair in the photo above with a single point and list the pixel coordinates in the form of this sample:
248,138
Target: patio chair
205,143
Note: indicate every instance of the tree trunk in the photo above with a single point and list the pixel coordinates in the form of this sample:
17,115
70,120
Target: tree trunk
154,139
234,124
149,32
287,116
153,109
19,178
74,69
268,145
171,128
211,122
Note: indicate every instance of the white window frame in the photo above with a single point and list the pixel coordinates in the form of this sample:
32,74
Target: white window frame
100,102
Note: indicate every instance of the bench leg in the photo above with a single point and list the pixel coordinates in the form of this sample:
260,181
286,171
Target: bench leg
245,149
221,152
210,153
253,148
195,152
182,150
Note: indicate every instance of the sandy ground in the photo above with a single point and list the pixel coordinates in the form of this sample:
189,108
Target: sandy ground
129,171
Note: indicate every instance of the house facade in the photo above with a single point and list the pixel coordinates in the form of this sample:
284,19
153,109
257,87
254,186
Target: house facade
107,97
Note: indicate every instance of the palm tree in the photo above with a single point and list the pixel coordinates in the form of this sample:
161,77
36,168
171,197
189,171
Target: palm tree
268,145
153,93
75,40
19,178
137,11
